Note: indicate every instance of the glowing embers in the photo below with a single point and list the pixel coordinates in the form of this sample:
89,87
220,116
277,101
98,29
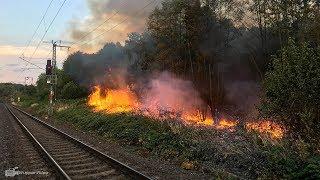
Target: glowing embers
266,127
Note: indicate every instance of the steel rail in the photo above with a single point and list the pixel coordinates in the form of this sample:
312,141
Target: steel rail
115,163
43,150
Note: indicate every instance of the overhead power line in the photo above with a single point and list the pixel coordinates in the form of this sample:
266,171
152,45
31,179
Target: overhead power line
45,33
101,24
31,63
37,28
123,21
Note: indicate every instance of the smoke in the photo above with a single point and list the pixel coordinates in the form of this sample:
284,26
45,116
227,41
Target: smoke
104,67
236,52
167,92
114,12
163,97
244,94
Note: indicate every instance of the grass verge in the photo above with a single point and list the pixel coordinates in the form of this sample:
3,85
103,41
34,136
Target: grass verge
221,153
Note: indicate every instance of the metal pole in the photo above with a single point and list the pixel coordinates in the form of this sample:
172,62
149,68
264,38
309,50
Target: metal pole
53,76
54,65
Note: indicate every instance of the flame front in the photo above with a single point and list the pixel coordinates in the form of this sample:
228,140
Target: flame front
266,127
124,101
113,101
224,123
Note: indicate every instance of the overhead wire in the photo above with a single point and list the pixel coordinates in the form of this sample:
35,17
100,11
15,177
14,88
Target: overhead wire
123,21
46,31
37,28
101,24
42,38
104,22
94,29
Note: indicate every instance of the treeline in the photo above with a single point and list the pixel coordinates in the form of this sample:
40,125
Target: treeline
231,50
66,87
11,92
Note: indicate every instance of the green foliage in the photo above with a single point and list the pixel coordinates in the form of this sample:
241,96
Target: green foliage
292,89
66,88
73,91
311,170
297,19
42,87
216,152
10,91
125,127
288,165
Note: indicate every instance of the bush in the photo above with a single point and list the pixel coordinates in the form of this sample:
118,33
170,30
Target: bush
73,91
292,90
310,171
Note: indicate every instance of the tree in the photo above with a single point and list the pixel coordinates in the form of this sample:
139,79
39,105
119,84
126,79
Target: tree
63,79
292,18
292,90
42,87
8,91
73,91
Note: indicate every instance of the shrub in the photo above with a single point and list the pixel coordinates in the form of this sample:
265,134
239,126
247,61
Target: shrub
73,91
292,90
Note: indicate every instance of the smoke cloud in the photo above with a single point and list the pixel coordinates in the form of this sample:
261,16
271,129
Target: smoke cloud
117,11
166,92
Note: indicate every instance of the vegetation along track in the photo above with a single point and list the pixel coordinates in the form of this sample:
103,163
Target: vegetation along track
72,158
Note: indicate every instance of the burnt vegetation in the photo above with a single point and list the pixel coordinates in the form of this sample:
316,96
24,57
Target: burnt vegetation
243,57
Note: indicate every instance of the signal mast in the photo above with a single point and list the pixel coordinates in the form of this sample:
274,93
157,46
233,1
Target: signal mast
51,72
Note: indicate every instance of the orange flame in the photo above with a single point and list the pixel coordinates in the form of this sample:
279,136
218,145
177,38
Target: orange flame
197,118
114,101
124,100
225,124
266,127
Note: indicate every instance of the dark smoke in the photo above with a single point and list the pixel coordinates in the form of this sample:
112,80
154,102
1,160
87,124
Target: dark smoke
241,63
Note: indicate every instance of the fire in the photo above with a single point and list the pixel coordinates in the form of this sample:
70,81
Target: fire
266,127
114,101
209,121
224,124
197,118
123,100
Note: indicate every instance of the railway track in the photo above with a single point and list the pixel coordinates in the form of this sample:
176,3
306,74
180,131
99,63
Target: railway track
71,158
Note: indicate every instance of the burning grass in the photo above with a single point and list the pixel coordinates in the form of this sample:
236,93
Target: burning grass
113,101
220,153
125,101
267,127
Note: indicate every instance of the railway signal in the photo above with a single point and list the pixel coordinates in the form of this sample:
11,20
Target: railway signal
48,68
51,72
